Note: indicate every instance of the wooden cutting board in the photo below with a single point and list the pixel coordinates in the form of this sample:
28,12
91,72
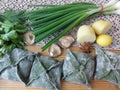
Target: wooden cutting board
96,85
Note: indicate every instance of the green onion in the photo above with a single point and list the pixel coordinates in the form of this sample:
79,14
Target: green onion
60,12
58,27
56,8
55,24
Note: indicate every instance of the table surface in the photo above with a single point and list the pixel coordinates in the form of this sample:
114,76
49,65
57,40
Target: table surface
96,85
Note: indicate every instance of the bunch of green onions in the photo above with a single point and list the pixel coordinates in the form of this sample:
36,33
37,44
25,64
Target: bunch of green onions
63,18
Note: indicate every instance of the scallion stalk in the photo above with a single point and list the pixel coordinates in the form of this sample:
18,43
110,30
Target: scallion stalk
58,27
56,24
60,12
56,8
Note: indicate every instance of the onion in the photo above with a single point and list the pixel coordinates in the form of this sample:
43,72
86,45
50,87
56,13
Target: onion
101,26
86,34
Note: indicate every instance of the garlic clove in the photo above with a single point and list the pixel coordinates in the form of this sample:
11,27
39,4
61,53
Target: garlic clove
66,41
29,38
54,50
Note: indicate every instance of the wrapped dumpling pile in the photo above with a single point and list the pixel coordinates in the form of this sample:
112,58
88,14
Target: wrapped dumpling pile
31,68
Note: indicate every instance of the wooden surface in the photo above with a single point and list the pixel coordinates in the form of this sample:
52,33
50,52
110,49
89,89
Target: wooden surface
96,85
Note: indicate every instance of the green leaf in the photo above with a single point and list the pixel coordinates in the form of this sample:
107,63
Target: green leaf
11,30
1,42
10,35
2,18
0,55
7,25
19,28
6,48
1,30
13,16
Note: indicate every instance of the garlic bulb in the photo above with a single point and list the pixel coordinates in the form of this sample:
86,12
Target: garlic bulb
66,41
54,50
86,34
29,38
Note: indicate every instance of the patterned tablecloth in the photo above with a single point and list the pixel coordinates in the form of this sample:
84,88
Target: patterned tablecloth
23,5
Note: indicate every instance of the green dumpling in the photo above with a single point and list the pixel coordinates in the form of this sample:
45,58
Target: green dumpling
108,66
78,67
